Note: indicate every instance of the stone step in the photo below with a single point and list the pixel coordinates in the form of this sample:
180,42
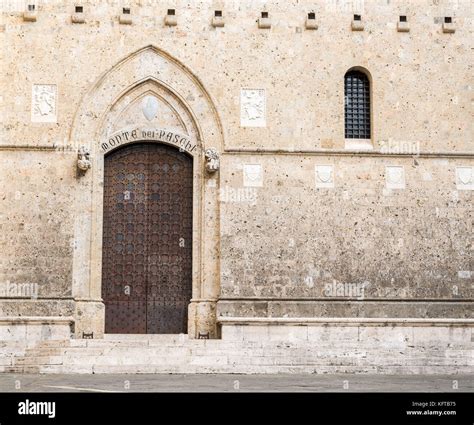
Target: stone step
88,369
124,343
32,352
22,369
244,351
182,352
179,354
38,360
124,360
6,360
152,357
226,345
53,342
12,351
170,338
245,369
11,345
154,340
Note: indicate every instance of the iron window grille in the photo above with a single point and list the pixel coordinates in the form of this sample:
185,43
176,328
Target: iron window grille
357,105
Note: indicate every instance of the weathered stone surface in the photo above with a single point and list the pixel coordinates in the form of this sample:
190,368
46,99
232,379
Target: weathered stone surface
295,223
362,348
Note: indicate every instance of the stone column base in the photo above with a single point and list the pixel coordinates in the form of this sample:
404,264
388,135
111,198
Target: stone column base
89,319
202,320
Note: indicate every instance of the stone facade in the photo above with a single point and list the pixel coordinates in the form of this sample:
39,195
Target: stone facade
291,220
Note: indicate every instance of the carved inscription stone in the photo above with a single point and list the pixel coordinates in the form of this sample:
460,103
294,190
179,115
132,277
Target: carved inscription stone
324,176
394,177
181,141
253,175
252,108
43,103
465,178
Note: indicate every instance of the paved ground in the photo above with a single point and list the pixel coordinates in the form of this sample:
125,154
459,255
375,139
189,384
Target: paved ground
226,383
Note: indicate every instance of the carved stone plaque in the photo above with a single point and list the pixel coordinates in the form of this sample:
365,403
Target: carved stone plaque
253,175
394,177
43,103
465,178
252,108
324,176
150,107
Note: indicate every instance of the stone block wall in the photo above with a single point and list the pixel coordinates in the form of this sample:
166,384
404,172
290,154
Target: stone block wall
288,238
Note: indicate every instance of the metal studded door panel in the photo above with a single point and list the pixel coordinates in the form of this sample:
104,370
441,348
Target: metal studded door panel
147,248
169,235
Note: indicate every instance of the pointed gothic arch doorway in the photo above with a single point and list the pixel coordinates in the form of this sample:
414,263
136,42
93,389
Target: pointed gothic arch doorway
113,108
147,239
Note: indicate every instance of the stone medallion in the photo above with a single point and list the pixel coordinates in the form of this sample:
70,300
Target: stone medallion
395,177
253,175
150,107
465,178
324,175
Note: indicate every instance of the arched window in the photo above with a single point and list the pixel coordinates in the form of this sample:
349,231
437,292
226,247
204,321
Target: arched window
356,105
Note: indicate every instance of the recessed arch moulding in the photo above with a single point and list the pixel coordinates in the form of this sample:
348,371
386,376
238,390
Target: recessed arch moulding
155,97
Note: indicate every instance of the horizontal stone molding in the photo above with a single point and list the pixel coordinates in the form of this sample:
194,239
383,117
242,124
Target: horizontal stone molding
346,300
204,300
37,299
345,152
30,148
343,321
43,320
311,152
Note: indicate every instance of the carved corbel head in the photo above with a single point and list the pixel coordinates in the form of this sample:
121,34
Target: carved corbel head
212,160
83,159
